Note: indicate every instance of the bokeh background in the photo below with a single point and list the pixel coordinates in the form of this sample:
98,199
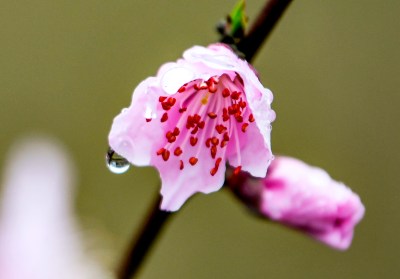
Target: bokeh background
68,67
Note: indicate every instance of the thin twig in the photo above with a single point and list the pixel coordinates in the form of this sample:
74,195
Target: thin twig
153,224
262,27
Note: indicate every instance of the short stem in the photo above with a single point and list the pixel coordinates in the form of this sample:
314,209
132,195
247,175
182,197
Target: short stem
262,27
141,245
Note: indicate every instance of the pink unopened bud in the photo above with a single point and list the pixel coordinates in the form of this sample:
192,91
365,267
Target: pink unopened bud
303,197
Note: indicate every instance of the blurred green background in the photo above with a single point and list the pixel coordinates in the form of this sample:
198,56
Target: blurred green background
68,67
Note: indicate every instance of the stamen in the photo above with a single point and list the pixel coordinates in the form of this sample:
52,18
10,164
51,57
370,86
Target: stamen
193,160
251,118
213,151
164,117
165,155
166,106
225,92
178,151
160,151
201,124
214,141
239,118
193,141
182,89
244,127
235,95
212,115
171,101
201,85
176,131
220,128
208,142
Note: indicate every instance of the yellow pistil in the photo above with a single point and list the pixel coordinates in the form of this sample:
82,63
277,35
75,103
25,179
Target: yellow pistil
204,101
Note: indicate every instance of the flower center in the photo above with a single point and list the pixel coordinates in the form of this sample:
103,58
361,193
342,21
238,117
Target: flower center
205,114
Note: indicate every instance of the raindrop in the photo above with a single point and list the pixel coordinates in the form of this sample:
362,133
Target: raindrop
116,163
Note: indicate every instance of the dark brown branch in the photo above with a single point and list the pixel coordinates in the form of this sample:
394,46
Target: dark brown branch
141,245
262,27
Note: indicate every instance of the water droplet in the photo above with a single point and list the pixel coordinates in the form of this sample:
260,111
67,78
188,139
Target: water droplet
116,163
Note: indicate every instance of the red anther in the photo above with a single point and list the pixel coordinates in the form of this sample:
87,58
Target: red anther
213,79
218,162
160,151
182,89
231,110
226,137
195,130
225,118
178,151
190,122
182,110
148,119
213,151
244,127
193,160
220,128
235,95
171,101
171,139
239,118
237,170
212,115
214,141
196,118
208,142
176,131
181,165
193,141
212,88
165,155
251,118
242,104
164,117
200,85
162,99
223,143
225,92
235,108
213,171
201,124
166,106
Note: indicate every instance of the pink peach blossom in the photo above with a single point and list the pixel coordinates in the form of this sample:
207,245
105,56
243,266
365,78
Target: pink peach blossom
39,238
196,114
303,197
